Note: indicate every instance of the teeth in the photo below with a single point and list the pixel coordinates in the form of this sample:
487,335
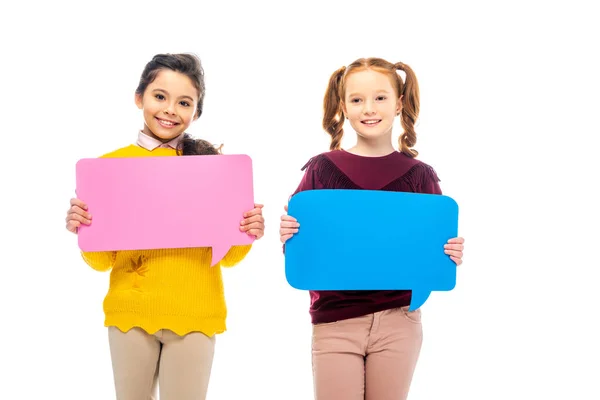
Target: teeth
371,122
162,121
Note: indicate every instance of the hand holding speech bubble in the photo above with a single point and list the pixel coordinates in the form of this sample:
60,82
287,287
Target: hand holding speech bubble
372,240
165,202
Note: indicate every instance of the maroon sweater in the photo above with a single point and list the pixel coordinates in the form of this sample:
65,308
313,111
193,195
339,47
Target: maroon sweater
340,169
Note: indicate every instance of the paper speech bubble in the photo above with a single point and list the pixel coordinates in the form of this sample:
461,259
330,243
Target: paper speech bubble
165,202
372,240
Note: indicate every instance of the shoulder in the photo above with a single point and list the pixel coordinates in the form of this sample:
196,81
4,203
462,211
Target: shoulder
421,170
123,151
320,159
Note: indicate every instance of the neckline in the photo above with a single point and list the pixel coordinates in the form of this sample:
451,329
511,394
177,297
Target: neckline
370,157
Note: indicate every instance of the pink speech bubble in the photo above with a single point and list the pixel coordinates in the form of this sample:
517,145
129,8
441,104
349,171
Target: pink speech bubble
165,202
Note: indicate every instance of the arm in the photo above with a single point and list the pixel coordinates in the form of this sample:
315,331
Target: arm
310,181
430,181
78,215
455,246
100,261
235,255
253,224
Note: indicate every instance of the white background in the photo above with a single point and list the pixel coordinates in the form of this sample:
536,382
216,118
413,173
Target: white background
510,98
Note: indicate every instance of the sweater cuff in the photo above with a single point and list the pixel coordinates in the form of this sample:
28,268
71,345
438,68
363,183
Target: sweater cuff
235,255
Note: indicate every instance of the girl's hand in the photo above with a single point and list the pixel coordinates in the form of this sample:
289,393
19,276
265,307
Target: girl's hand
77,215
288,227
454,248
254,223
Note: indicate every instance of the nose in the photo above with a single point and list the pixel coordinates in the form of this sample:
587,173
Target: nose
369,107
170,109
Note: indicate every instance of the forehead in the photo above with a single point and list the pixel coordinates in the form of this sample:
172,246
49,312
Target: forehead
175,83
367,81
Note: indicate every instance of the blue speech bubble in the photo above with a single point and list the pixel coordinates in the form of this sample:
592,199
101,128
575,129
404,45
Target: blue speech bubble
372,240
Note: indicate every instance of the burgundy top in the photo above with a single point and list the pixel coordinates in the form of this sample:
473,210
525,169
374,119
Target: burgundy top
340,169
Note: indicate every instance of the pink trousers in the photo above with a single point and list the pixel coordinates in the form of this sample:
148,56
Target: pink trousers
372,357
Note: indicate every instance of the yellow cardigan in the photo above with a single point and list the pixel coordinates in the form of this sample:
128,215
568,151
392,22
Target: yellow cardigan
173,289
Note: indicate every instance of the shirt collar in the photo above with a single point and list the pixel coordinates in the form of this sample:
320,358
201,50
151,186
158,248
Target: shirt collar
150,143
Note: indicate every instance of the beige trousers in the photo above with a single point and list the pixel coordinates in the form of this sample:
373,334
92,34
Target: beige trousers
180,365
372,357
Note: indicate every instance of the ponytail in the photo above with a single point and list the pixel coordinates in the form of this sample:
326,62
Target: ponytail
410,111
188,146
333,117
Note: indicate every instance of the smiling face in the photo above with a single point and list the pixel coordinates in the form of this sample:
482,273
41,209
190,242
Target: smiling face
370,104
169,105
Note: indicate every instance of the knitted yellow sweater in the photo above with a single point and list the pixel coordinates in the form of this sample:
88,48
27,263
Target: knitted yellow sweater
173,289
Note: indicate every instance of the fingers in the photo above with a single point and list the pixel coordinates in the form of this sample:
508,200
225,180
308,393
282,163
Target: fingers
77,215
456,260
83,217
289,223
257,233
73,225
285,208
288,227
255,218
454,253
454,248
457,247
254,222
76,211
287,231
285,238
286,217
257,210
78,203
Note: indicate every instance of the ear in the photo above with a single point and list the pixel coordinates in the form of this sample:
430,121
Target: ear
343,107
399,105
138,101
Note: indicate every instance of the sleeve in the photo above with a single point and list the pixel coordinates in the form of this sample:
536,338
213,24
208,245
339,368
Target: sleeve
310,180
235,255
100,261
430,181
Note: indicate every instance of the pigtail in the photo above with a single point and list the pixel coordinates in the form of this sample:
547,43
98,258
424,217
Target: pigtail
188,146
333,117
410,111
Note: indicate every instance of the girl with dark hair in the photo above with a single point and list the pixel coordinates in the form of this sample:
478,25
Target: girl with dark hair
164,307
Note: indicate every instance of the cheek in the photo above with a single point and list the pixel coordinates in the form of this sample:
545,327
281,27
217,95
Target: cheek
353,115
188,117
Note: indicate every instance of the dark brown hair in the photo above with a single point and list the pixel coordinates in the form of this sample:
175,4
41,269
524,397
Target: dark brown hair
196,147
189,65
333,116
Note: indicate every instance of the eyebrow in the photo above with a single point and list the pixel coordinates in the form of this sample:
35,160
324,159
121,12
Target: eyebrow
164,91
379,91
